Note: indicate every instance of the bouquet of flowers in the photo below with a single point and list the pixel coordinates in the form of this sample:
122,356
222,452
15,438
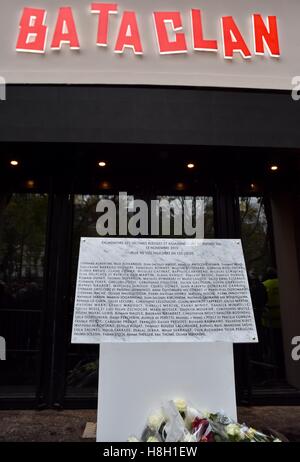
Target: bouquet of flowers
176,421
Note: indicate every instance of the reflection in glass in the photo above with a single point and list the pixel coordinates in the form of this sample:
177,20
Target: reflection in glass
22,249
266,360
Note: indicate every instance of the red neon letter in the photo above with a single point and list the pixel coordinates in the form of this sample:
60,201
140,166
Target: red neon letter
65,30
165,45
266,36
104,10
199,42
232,39
33,32
129,35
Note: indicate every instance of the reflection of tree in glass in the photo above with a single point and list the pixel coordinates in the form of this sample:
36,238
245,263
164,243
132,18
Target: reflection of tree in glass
255,234
22,236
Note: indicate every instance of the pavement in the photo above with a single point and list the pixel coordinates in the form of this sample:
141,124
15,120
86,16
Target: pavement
68,426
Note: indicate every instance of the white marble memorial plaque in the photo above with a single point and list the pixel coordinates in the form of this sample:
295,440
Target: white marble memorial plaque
162,290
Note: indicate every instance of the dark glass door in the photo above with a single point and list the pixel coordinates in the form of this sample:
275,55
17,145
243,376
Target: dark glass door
23,220
265,361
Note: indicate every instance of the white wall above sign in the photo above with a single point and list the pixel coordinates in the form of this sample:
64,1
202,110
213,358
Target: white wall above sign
227,43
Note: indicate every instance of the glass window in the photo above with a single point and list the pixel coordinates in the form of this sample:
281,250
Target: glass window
266,360
22,249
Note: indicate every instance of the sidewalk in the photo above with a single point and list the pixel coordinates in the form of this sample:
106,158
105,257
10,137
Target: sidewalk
68,426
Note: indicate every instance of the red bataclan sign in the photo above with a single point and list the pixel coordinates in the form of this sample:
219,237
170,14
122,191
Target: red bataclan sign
168,25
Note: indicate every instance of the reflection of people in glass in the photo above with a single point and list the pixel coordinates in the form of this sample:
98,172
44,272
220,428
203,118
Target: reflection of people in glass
271,316
271,319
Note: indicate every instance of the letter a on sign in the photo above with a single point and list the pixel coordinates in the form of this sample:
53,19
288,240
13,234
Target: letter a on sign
232,39
129,36
65,30
33,32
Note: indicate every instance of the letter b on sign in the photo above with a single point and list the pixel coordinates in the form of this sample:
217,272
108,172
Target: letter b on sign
2,349
33,31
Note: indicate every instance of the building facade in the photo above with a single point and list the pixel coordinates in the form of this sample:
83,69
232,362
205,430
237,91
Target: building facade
73,131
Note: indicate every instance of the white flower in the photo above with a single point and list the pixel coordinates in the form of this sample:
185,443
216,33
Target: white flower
277,440
234,430
155,421
181,405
